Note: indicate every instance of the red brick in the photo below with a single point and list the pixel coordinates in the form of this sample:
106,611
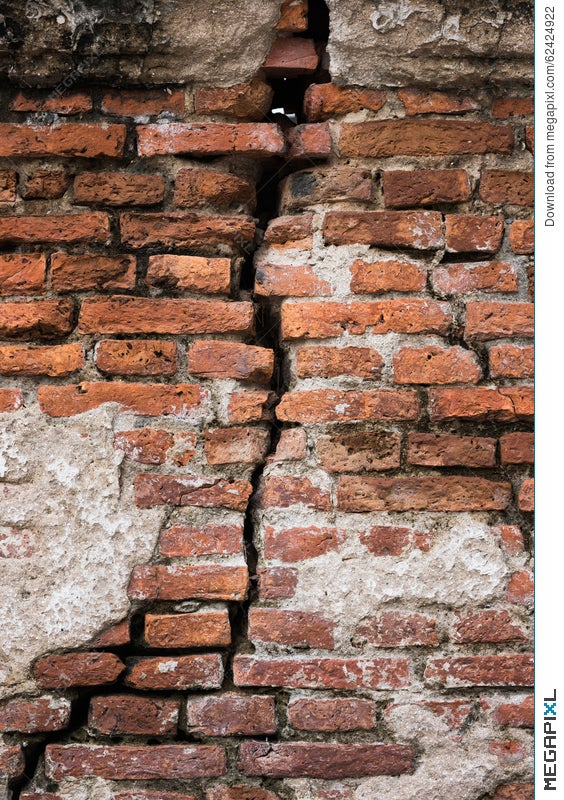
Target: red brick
65,104
324,100
446,450
499,320
144,445
236,445
511,361
36,715
387,276
506,107
507,669
387,540
248,101
202,629
419,101
143,102
522,237
289,280
135,357
230,360
293,19
359,451
259,139
319,320
489,276
12,762
329,405
231,715
70,273
190,274
8,184
285,491
423,365
530,138
488,625
521,587
394,629
149,399
425,187
91,227
444,493
290,232
469,234
175,673
22,274
277,583
453,713
118,188
196,188
480,403
40,796
298,544
79,140
293,628
511,538
141,795
325,185
43,319
517,448
513,187
526,500
180,541
250,406
515,791
311,140
335,714
130,762
291,57
518,714
77,669
116,636
186,230
177,490
323,760
322,673
419,230
178,317
418,137
10,400
123,714
240,792
45,184
330,362
185,582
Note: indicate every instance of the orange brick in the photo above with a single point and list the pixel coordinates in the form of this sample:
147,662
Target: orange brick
424,365
311,320
195,188
324,100
507,186
45,184
65,104
277,583
201,629
499,320
71,273
277,491
186,230
184,582
55,361
187,540
8,185
231,360
92,227
135,357
118,188
469,234
291,57
445,450
145,445
149,399
517,448
143,102
323,184
10,400
419,101
418,137
177,490
330,362
359,451
506,107
396,629
293,19
522,237
521,588
259,139
73,139
236,445
511,361
248,101
425,187
419,230
489,276
290,231
311,140
289,280
22,274
527,495
43,319
479,403
377,277
250,406
291,628
299,544
329,405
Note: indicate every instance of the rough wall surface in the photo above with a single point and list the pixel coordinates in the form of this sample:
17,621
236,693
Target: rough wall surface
266,403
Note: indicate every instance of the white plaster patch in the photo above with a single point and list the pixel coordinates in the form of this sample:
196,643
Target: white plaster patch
84,535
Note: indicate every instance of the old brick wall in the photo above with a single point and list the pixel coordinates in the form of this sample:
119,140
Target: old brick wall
266,408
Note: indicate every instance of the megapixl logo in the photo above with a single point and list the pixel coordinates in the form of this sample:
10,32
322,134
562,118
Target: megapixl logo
549,742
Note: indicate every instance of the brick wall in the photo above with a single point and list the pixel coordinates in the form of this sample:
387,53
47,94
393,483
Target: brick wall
315,340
